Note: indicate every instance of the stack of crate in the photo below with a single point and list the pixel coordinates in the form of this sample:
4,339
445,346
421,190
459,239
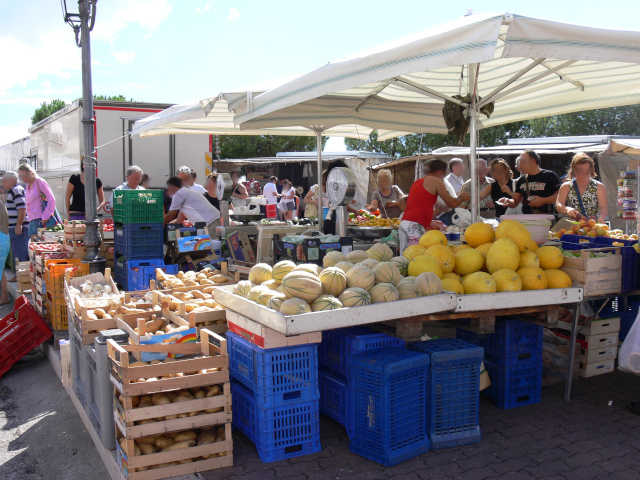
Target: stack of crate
107,249
54,278
276,397
337,394
139,234
172,417
23,276
513,359
39,253
74,238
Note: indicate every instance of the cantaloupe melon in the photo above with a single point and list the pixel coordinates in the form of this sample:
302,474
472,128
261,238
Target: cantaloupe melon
294,306
402,263
451,285
424,263
528,259
355,297
432,237
345,266
361,276
308,267
302,284
516,232
384,292
413,251
503,253
235,290
260,273
276,301
468,261
387,272
243,287
325,302
280,289
557,279
356,256
507,280
380,252
264,297
428,283
533,278
410,279
271,284
479,282
550,257
369,262
333,257
280,269
255,291
408,290
333,281
478,233
444,256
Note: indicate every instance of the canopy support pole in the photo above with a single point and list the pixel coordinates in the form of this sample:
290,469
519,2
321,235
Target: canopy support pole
473,144
319,188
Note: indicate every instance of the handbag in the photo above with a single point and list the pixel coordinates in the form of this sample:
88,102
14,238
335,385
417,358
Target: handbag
311,210
55,218
582,210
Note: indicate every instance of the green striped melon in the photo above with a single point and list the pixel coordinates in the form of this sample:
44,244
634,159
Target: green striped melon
280,269
325,302
408,290
384,292
255,291
356,256
235,290
407,280
355,297
280,289
380,252
308,267
402,263
260,273
361,276
275,302
294,306
264,297
345,266
428,283
369,262
387,272
333,280
302,284
243,287
271,284
332,257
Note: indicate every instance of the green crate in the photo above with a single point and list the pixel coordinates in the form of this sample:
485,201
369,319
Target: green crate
138,206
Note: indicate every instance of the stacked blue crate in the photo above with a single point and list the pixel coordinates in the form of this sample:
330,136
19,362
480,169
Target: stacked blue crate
336,392
513,359
454,391
275,397
391,404
134,242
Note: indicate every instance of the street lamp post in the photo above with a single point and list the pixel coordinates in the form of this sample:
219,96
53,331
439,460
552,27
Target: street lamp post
82,24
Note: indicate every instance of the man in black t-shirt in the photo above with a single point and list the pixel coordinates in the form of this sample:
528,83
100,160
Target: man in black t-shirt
536,188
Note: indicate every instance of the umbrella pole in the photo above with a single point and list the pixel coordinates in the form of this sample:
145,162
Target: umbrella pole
473,164
319,189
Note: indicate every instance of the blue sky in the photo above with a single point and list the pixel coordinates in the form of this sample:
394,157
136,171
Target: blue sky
175,51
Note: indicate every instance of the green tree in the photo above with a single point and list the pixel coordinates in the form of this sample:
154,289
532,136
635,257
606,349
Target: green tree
46,109
253,146
113,98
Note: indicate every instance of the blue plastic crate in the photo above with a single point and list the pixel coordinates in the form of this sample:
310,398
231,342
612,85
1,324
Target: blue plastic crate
277,376
139,240
139,280
279,432
120,275
513,340
454,391
391,404
338,345
515,386
576,242
336,399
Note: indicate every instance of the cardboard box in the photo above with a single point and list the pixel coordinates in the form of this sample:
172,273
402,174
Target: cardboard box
596,355
593,341
311,250
265,337
600,368
596,327
485,381
194,243
240,247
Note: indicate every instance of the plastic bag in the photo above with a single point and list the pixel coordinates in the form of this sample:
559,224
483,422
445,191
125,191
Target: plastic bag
629,355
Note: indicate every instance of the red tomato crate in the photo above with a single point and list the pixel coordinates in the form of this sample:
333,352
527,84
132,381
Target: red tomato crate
20,332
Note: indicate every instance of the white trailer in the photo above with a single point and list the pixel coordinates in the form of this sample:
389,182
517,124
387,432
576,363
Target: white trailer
56,147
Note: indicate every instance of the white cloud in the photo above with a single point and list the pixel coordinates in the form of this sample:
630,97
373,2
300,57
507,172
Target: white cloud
207,7
233,14
117,15
124,57
46,84
146,37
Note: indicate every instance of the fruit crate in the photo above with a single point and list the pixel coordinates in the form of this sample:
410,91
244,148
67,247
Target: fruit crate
139,240
338,345
146,271
513,341
55,273
57,316
20,332
454,391
391,404
277,376
138,206
279,433
515,386
337,398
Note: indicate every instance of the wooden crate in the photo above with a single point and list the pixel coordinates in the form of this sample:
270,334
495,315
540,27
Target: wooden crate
233,279
74,227
215,320
597,276
132,321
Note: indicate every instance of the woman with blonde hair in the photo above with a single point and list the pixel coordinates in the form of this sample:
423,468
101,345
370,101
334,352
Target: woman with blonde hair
41,204
386,195
582,195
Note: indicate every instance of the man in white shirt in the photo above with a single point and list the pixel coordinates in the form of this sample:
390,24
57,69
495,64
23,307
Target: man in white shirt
441,211
456,167
134,177
270,191
192,205
188,177
195,186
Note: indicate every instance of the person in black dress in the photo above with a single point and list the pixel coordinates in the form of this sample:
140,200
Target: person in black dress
501,187
74,198
211,190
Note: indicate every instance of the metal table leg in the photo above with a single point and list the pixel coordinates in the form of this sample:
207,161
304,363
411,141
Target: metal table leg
574,338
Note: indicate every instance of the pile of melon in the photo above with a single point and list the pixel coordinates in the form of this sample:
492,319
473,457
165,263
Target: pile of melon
504,260
352,280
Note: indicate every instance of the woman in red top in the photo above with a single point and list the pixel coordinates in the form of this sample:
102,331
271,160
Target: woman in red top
422,197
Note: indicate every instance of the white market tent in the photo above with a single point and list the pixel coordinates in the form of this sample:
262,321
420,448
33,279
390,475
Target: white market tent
528,66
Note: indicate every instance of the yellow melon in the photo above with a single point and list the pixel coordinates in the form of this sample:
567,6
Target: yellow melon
260,273
550,257
507,280
356,256
516,232
558,279
333,257
484,249
432,237
428,283
384,292
464,246
325,302
294,306
413,251
424,263
503,254
387,272
478,233
479,282
468,261
302,284
275,302
408,290
280,269
444,256
402,263
533,278
451,285
380,252
533,246
528,259
452,276
361,276
355,297
333,281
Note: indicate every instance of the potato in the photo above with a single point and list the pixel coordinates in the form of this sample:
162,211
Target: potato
171,417
164,442
186,460
91,316
171,395
147,449
145,421
201,276
214,410
160,399
150,440
129,310
106,316
136,450
208,282
182,398
145,401
198,294
214,390
191,283
185,436
207,289
155,325
189,307
220,278
200,394
180,275
179,446
183,415
174,306
154,362
98,312
138,364
206,437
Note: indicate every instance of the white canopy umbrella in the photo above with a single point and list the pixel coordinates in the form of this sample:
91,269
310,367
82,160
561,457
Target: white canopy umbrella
529,67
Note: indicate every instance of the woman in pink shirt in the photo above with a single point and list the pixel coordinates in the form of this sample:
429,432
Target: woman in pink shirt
41,204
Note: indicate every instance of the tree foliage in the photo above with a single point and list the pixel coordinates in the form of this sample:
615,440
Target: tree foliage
46,109
113,98
252,146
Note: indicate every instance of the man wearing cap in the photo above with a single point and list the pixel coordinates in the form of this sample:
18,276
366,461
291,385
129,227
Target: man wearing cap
17,210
